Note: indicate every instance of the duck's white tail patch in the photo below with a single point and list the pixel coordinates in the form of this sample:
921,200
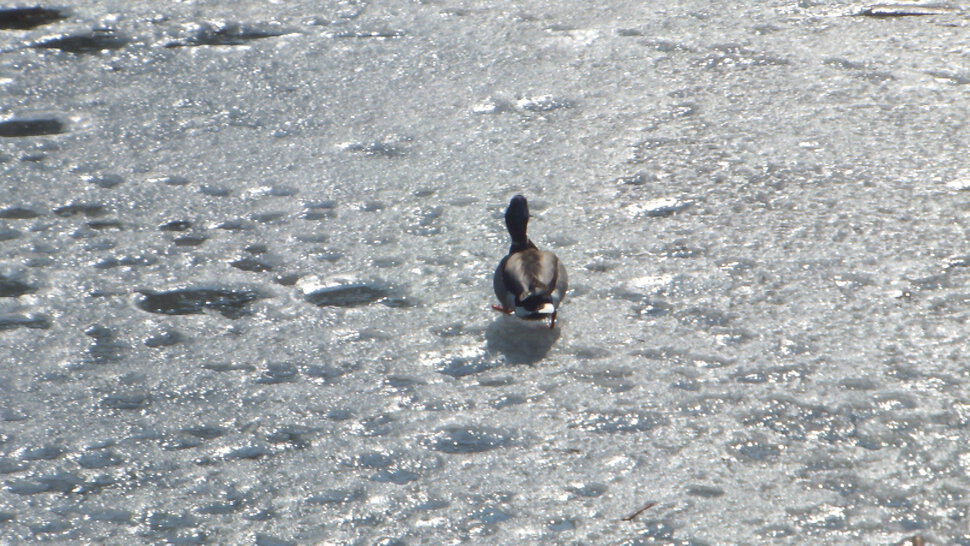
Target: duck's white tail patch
546,309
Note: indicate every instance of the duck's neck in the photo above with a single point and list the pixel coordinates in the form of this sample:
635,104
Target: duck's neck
517,231
519,246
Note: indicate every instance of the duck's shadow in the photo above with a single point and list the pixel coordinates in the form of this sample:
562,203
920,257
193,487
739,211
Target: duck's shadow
519,341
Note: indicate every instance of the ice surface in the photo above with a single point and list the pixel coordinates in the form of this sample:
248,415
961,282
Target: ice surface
247,252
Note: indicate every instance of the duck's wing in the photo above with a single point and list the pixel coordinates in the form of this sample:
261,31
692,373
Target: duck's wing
562,282
502,292
530,272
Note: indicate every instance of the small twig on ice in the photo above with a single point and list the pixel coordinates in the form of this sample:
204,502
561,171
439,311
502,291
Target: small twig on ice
634,515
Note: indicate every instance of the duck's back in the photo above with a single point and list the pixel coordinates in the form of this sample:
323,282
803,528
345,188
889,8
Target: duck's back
530,272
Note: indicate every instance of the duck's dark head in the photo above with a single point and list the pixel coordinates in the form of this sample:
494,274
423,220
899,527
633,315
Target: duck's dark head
517,220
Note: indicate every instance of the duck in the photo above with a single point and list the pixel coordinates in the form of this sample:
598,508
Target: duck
529,283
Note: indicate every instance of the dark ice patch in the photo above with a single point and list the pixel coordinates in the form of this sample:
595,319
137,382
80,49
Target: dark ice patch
614,379
754,448
99,459
385,262
205,432
953,77
702,406
269,540
11,466
43,453
12,287
371,34
85,44
62,482
773,374
190,240
543,103
638,178
397,476
251,264
377,425
278,373
326,374
223,367
224,34
706,491
457,440
106,347
336,496
491,515
667,46
630,32
28,18
91,210
25,127
905,9
508,400
249,452
125,261
704,318
292,436
236,224
18,213
589,490
462,366
171,180
323,210
268,217
736,56
232,304
176,225
130,401
844,64
165,338
797,421
614,421
164,521
214,190
355,295
650,308
106,181
375,149
13,321
220,508
109,515
104,224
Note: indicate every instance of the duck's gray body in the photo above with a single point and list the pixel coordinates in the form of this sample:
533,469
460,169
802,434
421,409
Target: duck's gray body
529,282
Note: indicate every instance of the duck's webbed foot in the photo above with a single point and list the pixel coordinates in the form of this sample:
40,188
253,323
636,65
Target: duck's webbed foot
501,309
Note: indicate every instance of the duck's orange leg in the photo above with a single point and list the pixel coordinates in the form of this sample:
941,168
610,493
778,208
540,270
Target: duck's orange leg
552,323
502,309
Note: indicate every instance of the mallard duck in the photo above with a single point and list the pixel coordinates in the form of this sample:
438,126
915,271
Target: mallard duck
529,282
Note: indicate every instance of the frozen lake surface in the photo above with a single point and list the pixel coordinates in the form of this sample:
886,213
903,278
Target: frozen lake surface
246,253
